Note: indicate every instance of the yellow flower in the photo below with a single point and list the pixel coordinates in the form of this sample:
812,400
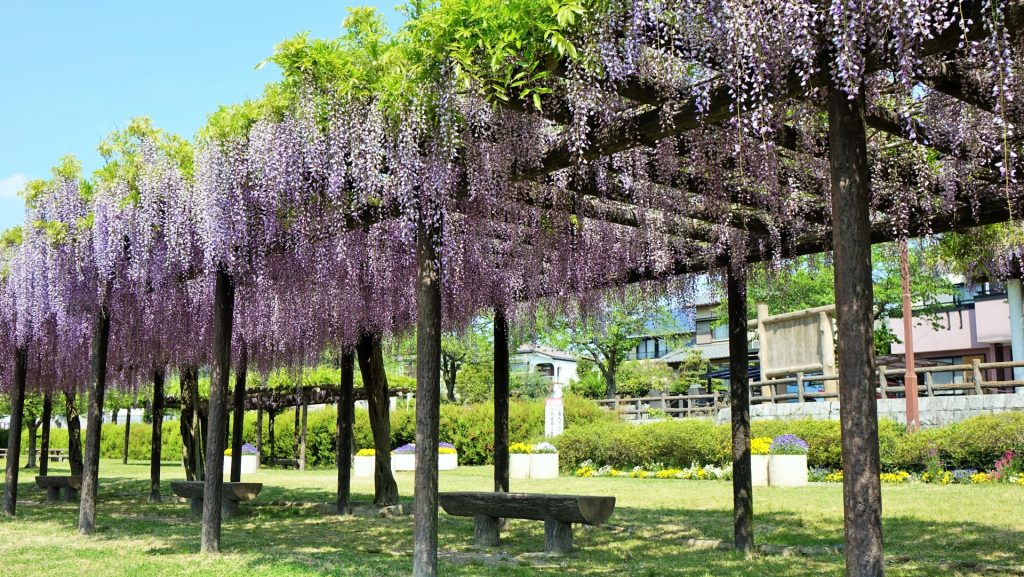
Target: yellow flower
366,453
760,445
978,478
446,451
520,449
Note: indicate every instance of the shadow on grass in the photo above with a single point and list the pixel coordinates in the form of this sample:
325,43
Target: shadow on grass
637,540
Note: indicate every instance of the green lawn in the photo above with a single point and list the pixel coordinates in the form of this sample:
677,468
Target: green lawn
930,531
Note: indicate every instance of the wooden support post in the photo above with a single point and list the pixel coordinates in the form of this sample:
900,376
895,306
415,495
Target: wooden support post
14,433
486,531
346,413
739,392
44,445
800,387
220,369
428,395
239,407
929,381
501,381
156,447
94,421
976,375
828,352
851,243
883,383
557,537
127,432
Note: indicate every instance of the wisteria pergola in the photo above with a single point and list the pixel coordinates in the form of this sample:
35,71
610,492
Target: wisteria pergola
608,145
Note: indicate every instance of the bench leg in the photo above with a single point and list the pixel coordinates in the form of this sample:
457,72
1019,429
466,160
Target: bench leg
485,531
52,494
557,537
228,508
70,495
197,506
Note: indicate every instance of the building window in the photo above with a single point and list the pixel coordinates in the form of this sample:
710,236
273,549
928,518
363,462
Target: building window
721,332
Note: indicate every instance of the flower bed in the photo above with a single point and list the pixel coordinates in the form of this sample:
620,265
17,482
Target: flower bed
657,471
249,457
404,458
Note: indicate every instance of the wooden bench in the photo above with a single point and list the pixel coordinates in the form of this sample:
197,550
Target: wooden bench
233,494
558,512
3,453
54,485
58,455
286,463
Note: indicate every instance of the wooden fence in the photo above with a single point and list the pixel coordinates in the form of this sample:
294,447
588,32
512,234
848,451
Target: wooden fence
976,381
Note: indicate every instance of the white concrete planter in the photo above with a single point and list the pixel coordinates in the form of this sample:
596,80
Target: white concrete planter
363,466
403,462
759,470
250,464
787,470
519,466
447,461
544,466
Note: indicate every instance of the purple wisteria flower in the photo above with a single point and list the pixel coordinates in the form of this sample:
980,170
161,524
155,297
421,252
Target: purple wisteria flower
249,449
788,445
405,449
443,445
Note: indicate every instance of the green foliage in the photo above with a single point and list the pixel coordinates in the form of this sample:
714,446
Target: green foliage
122,152
528,385
637,378
975,443
589,384
476,382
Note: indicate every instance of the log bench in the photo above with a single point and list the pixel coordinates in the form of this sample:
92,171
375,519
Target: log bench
233,494
558,512
286,463
55,485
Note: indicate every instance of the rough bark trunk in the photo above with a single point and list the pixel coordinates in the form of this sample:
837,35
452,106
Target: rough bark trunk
94,422
44,449
191,440
113,416
295,423
451,371
14,434
156,445
739,393
345,418
270,432
74,433
501,482
127,433
428,401
33,436
259,432
851,245
375,381
239,406
220,372
302,435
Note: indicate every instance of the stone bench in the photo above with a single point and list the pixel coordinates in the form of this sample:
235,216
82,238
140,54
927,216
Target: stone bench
55,485
286,463
233,493
558,512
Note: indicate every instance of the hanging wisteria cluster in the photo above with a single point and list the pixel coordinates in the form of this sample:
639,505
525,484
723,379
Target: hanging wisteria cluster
671,137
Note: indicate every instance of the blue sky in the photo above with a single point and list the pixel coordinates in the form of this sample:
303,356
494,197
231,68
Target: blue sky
72,71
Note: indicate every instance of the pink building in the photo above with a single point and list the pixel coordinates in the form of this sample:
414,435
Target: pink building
975,326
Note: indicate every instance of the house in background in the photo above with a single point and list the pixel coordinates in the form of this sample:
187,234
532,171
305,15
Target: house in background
559,366
712,341
974,325
660,341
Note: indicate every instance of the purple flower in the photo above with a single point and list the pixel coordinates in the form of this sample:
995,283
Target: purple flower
788,445
405,449
249,449
443,445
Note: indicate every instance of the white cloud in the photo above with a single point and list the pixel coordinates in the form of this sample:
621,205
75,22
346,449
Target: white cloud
13,184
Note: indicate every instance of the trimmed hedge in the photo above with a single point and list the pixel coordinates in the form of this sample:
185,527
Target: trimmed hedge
469,427
974,443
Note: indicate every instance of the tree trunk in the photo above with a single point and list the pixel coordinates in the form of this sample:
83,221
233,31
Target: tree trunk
33,435
609,380
127,433
295,424
239,406
375,381
191,438
345,434
851,245
270,432
428,393
302,435
44,449
739,393
259,432
450,371
74,433
220,372
501,482
94,422
14,433
156,446
113,416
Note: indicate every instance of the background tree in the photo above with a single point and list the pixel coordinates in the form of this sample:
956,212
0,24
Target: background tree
472,346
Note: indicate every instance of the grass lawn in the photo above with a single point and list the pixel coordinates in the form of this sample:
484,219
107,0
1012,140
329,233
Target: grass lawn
930,531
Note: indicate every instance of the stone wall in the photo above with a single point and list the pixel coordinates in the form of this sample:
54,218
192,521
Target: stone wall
935,411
